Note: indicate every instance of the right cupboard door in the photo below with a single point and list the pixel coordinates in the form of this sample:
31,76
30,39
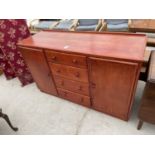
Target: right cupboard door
112,85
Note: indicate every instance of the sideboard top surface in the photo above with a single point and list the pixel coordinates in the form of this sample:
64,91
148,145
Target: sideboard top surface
115,45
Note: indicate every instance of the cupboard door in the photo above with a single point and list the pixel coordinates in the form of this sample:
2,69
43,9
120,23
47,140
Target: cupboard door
39,69
112,86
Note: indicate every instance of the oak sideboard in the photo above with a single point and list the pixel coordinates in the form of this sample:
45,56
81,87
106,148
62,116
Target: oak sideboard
96,70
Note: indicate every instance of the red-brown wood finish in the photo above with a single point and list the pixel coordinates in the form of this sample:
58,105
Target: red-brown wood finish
40,71
77,87
74,97
66,59
95,70
122,46
112,85
69,72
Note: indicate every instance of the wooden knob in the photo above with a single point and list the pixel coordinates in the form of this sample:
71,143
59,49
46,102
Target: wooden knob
62,83
65,93
49,74
80,87
58,71
53,57
77,74
74,61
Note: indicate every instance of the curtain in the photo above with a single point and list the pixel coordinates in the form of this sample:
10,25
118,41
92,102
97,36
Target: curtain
5,66
11,60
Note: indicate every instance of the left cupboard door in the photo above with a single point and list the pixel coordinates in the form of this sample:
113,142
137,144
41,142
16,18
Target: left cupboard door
37,64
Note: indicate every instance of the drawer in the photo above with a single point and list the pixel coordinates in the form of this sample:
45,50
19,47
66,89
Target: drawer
77,74
77,98
66,59
77,87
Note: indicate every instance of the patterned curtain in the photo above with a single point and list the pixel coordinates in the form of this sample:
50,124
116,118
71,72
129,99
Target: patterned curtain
11,60
5,66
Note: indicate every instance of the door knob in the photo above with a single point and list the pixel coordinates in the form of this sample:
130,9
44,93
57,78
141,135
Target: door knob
58,71
80,88
77,74
74,61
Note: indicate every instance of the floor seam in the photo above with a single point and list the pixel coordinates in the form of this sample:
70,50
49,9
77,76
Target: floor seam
81,122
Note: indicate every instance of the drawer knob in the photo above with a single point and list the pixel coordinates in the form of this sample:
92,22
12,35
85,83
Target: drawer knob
53,57
65,93
74,61
58,71
49,74
62,83
77,74
80,87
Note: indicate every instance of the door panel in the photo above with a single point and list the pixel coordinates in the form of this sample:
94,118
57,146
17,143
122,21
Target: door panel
112,84
39,69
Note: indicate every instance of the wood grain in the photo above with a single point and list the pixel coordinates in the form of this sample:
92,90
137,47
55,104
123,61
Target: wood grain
112,86
77,87
97,70
66,59
113,45
142,25
39,69
72,73
74,97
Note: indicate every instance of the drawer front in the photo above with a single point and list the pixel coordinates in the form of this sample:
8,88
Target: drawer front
67,59
77,87
69,72
77,98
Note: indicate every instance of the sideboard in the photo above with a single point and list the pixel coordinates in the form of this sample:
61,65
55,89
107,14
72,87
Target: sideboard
96,70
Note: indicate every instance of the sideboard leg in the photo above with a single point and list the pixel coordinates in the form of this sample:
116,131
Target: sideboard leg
140,125
4,116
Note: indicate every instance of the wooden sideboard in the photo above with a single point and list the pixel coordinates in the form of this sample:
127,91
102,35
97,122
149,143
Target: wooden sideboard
96,70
